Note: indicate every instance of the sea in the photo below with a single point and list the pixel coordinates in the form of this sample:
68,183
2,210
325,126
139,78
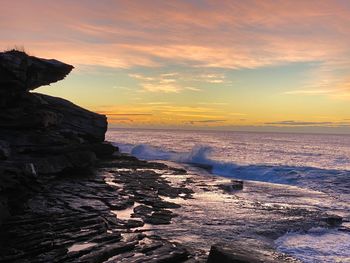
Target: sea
319,162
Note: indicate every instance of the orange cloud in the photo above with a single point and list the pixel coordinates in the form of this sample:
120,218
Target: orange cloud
231,34
224,34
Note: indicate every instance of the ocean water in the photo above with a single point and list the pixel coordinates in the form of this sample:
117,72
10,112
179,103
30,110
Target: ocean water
318,245
314,161
241,148
305,160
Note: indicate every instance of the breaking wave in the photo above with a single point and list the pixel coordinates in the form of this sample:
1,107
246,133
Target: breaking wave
202,156
316,245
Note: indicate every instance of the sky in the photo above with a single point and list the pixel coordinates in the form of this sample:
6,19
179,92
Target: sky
255,65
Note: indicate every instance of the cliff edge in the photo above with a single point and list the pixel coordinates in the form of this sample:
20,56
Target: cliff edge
40,134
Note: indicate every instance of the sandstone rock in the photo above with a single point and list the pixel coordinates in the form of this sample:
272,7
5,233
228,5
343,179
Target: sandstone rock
162,217
143,210
41,135
71,220
4,150
51,133
4,213
103,150
333,220
20,72
108,252
76,120
247,251
232,186
52,208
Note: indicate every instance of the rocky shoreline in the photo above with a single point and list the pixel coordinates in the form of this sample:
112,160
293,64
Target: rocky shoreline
66,195
81,218
129,210
74,218
55,205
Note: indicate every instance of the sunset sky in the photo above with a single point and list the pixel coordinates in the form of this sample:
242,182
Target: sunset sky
251,65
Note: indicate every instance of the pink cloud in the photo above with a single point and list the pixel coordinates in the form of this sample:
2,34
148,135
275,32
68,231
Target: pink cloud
229,34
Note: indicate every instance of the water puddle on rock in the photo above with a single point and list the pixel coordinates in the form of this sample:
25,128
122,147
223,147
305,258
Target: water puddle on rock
110,180
81,246
114,184
126,213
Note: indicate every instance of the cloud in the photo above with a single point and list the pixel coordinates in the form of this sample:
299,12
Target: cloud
165,82
127,114
160,88
308,123
309,92
171,74
237,114
160,113
192,88
212,103
231,34
160,83
157,103
326,80
122,88
141,77
193,109
216,81
303,123
192,122
122,120
216,78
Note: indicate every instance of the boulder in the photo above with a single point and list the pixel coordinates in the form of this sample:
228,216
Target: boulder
333,220
247,251
234,185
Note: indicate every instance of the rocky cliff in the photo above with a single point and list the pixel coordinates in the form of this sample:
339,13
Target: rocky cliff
53,209
39,134
53,206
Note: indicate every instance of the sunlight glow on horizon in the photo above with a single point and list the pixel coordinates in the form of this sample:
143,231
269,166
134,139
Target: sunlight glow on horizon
194,63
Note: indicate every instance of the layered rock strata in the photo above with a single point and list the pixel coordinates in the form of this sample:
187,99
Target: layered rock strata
40,134
60,199
79,218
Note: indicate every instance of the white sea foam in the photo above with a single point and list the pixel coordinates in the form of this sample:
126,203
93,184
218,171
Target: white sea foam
319,162
330,152
317,245
202,155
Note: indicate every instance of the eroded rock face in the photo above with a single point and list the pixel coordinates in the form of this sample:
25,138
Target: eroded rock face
247,251
80,218
20,72
41,134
